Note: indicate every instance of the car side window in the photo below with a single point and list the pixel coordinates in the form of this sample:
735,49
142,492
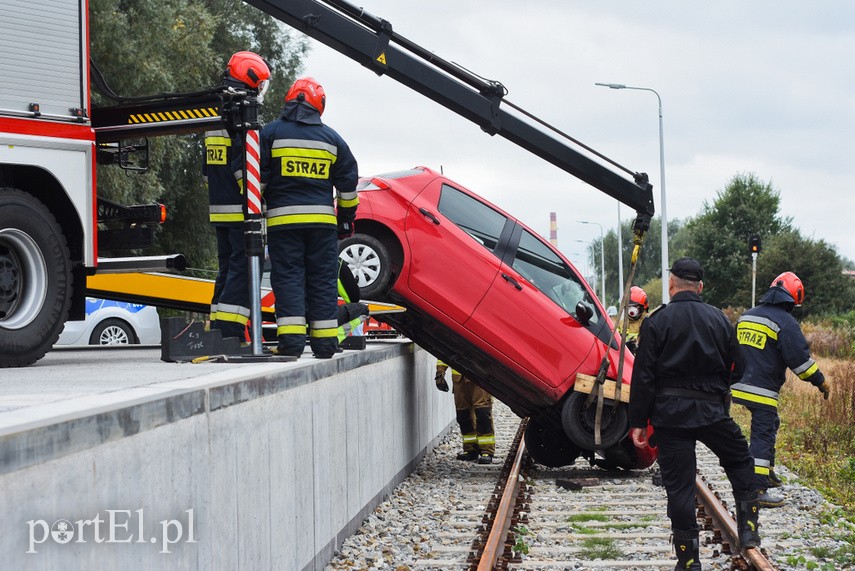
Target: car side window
551,275
475,218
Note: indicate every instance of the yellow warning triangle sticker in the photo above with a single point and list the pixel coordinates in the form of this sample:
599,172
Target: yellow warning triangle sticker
382,58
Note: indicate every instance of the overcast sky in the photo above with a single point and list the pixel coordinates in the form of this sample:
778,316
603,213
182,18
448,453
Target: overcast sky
763,87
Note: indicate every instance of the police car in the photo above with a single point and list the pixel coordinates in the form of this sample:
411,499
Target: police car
113,323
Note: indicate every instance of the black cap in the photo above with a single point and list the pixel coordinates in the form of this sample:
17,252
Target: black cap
688,269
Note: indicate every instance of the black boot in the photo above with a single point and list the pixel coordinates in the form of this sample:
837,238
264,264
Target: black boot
748,522
769,500
774,479
687,547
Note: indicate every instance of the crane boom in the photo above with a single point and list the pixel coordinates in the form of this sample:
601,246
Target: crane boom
370,41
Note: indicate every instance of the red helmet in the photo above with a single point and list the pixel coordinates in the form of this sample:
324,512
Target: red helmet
791,282
249,68
639,296
308,90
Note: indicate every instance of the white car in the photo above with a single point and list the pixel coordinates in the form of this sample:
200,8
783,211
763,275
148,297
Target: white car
113,323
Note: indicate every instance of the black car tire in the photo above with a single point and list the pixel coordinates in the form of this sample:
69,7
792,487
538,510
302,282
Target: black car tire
113,332
548,446
35,279
579,419
370,263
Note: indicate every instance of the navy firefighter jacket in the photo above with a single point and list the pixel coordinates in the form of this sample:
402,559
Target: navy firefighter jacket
687,358
223,173
302,161
772,341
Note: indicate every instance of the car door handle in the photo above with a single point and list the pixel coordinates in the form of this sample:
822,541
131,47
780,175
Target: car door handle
512,281
429,215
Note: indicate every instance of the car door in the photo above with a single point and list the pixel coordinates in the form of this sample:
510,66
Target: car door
529,313
454,239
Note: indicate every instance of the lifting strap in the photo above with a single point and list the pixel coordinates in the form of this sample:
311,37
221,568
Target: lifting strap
604,366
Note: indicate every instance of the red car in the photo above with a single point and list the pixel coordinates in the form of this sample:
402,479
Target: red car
497,302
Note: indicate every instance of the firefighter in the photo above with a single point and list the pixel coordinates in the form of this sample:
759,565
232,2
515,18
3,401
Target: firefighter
636,310
352,313
771,341
302,161
680,384
222,171
474,415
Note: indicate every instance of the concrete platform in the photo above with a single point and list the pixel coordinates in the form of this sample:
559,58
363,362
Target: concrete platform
123,461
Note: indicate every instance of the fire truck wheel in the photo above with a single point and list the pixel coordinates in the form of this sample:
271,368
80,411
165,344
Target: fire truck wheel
549,446
35,279
113,332
579,421
370,263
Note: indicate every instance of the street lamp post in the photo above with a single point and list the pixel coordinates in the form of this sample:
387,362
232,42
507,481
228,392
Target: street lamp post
602,256
619,256
665,296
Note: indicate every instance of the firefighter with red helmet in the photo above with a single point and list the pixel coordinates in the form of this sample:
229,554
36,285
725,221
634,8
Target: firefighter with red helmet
771,342
222,171
636,310
302,162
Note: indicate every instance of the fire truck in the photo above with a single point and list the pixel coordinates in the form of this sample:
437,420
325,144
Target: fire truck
52,221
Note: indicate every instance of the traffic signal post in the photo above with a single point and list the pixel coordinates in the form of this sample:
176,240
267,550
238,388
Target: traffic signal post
754,248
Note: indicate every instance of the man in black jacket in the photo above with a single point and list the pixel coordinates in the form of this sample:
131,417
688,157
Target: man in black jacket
687,358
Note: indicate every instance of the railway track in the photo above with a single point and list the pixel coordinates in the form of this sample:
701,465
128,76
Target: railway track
576,517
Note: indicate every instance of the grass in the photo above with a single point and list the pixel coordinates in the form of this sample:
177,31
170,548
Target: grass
599,548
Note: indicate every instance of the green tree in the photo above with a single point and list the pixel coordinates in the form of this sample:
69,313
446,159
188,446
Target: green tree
147,47
827,289
718,237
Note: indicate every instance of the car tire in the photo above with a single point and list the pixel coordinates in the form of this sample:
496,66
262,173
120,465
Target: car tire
578,419
35,279
369,260
549,446
113,332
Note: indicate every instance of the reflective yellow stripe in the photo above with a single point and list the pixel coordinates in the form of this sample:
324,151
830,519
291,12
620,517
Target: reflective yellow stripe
757,327
487,439
232,317
754,398
300,153
291,330
323,333
302,219
226,217
223,141
813,369
470,438
764,470
345,203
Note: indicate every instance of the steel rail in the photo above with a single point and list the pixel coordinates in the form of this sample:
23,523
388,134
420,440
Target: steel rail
494,547
723,521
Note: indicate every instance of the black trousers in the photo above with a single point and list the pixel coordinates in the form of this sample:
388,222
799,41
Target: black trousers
231,288
678,463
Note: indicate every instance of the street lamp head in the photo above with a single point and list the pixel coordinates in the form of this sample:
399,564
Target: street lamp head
612,85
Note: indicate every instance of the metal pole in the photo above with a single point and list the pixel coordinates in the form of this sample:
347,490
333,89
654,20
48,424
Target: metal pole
602,257
665,264
753,276
619,255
